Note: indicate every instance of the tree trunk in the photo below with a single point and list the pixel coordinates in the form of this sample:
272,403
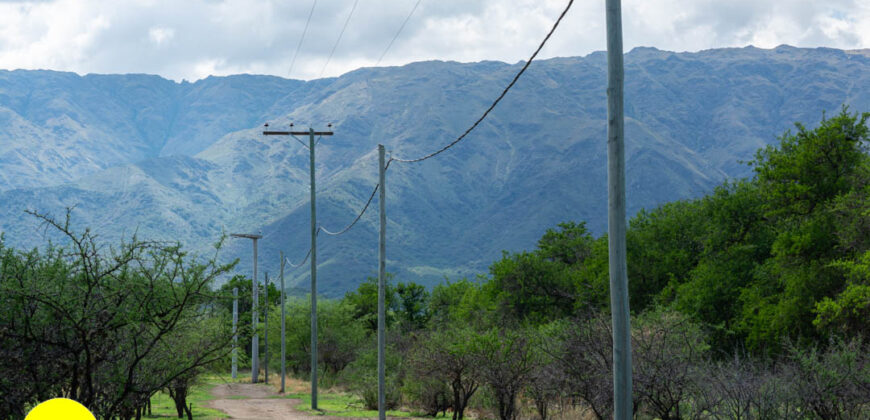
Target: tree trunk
542,404
179,396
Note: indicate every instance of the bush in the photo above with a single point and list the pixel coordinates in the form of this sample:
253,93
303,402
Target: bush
362,378
431,395
667,351
833,382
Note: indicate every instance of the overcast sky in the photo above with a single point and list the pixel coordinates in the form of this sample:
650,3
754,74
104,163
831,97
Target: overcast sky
191,39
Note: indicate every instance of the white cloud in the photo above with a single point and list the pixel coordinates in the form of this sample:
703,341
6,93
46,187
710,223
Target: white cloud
160,34
195,38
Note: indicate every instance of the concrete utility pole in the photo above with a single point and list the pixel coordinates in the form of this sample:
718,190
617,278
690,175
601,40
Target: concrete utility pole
255,338
266,326
616,216
311,133
283,333
235,332
382,267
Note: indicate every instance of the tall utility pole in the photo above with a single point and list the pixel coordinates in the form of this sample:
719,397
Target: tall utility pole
283,334
616,216
313,273
255,338
266,326
382,267
311,133
235,332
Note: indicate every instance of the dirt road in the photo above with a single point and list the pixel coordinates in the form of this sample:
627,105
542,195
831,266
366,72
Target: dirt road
257,402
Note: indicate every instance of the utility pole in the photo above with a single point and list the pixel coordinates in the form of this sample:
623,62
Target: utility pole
283,333
382,267
311,133
616,215
235,332
266,325
255,338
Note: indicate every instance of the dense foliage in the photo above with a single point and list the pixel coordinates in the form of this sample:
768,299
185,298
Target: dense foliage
106,327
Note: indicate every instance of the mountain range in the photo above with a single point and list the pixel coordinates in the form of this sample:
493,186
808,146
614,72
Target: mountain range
139,154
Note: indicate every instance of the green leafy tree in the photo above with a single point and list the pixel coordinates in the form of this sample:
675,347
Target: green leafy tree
801,180
663,245
112,322
268,298
571,244
365,301
340,334
446,299
412,309
848,311
528,287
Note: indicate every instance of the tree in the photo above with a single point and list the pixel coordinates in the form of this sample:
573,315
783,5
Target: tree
341,336
802,181
663,246
268,297
365,300
812,167
571,244
581,349
412,310
458,302
108,320
505,360
667,351
528,287
831,382
849,311
449,356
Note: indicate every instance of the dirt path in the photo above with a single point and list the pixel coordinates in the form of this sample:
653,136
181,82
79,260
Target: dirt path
257,402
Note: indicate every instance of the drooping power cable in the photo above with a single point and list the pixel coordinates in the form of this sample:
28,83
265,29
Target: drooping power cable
500,97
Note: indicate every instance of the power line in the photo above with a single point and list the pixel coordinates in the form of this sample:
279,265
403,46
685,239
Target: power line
497,100
308,254
362,212
298,46
340,34
398,32
360,215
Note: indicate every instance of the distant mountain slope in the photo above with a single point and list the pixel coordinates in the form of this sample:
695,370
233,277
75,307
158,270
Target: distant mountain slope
58,127
184,161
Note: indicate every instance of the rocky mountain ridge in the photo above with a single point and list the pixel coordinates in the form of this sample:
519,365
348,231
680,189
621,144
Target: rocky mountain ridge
186,161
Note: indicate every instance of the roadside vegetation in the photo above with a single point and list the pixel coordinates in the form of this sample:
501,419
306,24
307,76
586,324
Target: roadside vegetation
752,302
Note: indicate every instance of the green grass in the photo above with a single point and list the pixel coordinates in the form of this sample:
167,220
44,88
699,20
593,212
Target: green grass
163,407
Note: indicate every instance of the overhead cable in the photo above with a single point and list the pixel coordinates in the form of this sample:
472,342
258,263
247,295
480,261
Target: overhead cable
371,197
298,46
340,34
303,260
398,32
497,100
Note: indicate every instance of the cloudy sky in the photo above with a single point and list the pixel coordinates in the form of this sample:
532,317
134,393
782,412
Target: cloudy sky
191,39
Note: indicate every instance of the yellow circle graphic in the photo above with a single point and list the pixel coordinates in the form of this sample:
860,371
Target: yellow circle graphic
60,408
